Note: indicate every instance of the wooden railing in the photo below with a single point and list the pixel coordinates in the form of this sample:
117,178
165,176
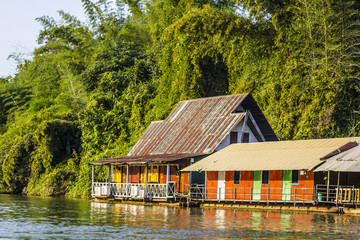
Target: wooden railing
339,195
200,192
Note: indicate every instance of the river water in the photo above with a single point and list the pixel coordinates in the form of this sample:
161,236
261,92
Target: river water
58,218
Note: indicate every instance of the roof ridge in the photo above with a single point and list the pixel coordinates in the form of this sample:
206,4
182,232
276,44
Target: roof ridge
221,96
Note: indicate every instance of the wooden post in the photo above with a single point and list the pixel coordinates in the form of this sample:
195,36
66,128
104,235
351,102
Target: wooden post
180,182
128,191
190,178
109,174
337,189
127,173
205,185
146,181
109,179
167,179
92,179
327,188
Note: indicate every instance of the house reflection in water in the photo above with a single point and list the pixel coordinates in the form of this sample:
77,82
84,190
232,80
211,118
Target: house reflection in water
214,219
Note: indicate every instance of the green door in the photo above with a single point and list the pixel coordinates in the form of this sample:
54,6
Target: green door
257,185
286,185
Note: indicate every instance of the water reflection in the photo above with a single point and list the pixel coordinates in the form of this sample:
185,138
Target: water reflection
54,218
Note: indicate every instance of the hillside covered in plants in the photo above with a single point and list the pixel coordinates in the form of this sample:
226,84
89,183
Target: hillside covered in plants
93,87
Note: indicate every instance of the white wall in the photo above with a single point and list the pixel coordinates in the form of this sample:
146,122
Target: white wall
238,129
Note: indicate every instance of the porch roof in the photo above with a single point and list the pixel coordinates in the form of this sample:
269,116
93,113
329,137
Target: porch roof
348,161
282,155
159,158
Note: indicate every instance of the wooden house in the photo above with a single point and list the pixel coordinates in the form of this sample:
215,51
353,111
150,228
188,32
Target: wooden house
279,171
194,129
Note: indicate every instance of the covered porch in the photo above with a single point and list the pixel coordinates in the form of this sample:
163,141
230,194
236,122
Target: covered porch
152,177
337,181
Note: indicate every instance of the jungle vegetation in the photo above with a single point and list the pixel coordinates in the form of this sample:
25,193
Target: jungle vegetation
91,88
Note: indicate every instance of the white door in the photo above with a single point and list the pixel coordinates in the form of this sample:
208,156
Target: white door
221,185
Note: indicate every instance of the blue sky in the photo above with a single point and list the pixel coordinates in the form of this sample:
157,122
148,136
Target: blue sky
18,27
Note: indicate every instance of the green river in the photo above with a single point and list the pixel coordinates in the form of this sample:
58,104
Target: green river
24,217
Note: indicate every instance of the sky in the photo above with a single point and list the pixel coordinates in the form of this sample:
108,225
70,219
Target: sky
19,30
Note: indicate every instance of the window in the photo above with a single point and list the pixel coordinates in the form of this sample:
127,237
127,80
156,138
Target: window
245,137
233,137
265,177
239,109
237,176
295,177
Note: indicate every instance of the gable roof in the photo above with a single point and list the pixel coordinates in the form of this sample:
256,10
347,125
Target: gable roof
198,126
281,155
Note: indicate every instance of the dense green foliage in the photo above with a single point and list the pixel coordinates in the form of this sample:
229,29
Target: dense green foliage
92,88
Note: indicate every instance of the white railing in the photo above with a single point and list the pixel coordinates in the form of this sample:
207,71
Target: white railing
135,190
101,189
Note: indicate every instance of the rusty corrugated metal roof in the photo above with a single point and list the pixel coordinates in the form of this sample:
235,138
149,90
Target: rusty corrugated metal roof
340,150
143,159
194,126
348,161
281,155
